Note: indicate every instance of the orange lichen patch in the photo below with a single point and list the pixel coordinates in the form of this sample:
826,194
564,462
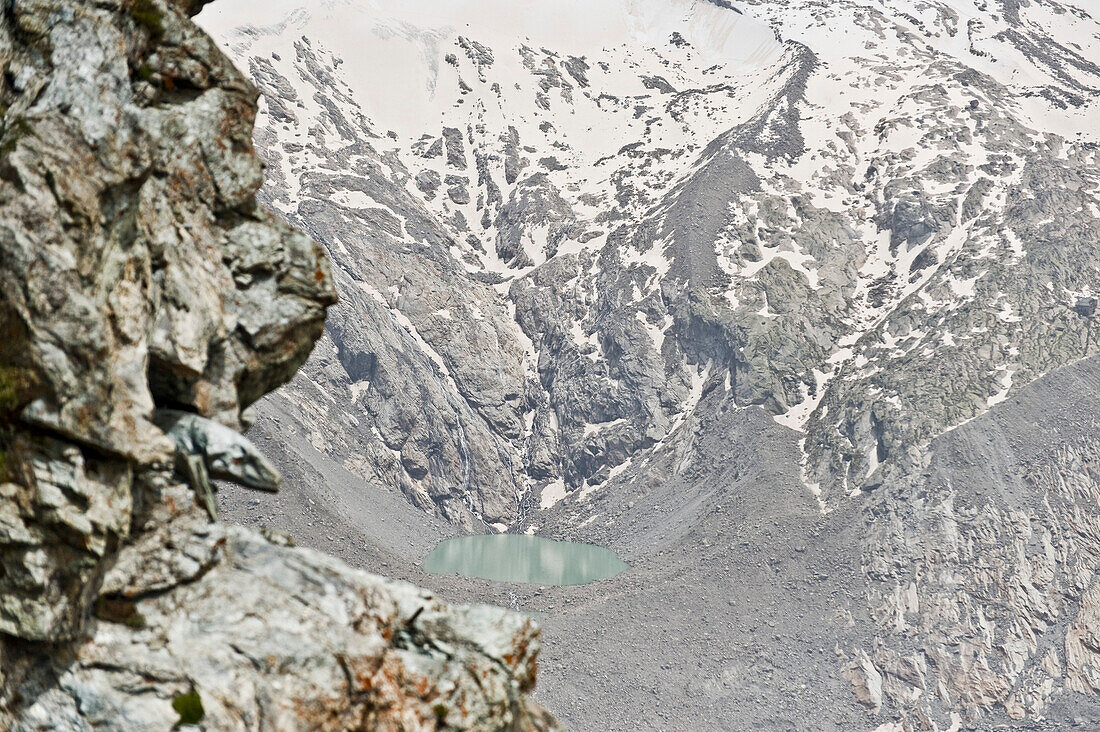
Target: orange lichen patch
523,654
324,715
362,671
398,699
84,414
369,622
202,397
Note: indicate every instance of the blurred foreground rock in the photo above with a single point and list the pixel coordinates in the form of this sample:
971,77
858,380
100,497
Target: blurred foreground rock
137,273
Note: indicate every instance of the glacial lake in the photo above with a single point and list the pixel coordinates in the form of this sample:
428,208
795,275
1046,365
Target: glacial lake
521,558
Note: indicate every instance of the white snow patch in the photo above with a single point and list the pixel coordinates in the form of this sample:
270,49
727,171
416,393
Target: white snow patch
552,493
797,416
591,429
1006,386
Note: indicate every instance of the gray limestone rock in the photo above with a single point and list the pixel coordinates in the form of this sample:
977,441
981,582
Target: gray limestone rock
355,652
146,300
456,150
428,181
169,286
226,453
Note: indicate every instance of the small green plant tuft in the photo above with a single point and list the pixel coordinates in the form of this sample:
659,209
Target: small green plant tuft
9,389
17,387
136,621
12,130
147,15
144,72
440,711
189,707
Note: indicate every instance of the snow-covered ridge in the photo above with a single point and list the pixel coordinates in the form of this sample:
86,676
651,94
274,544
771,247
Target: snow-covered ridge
394,50
807,201
623,98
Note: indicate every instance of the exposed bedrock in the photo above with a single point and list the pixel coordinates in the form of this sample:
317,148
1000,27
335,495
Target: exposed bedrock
146,301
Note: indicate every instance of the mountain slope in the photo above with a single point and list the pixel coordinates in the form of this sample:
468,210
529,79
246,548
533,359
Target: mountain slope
560,246
571,243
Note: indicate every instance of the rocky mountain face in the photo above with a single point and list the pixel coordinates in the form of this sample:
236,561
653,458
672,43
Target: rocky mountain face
561,251
147,301
596,264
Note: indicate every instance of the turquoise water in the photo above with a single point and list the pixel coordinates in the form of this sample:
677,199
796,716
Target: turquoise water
520,558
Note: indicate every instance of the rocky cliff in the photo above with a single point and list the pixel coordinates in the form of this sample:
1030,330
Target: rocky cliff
146,301
780,299
547,254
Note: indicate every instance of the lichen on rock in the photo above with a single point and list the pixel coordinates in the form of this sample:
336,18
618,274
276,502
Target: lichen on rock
138,273
126,208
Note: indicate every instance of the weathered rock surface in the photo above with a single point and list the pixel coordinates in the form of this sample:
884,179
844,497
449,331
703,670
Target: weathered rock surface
982,588
352,651
146,301
224,452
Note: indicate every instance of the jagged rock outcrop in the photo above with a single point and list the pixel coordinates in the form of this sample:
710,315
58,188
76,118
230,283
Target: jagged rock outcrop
351,651
982,591
224,453
142,289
